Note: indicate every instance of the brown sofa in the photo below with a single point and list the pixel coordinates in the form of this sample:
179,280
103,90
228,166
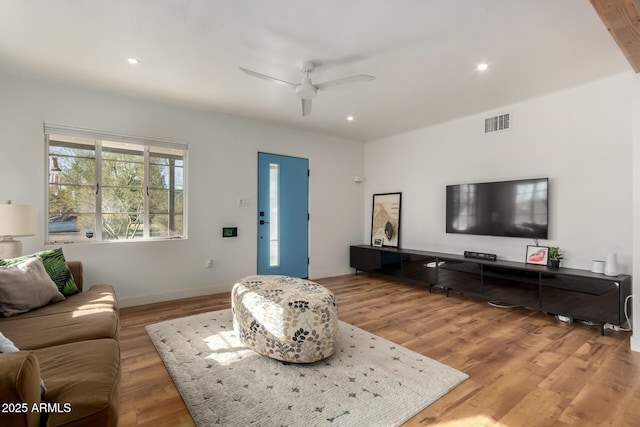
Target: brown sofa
73,346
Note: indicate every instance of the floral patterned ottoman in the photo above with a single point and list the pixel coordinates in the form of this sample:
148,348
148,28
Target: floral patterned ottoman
285,318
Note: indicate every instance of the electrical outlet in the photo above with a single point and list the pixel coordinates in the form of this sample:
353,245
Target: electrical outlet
209,263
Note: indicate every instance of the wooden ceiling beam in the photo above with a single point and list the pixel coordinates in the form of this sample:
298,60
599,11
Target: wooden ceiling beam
622,19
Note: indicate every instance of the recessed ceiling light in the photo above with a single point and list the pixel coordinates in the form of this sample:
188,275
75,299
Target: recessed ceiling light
132,61
350,118
483,66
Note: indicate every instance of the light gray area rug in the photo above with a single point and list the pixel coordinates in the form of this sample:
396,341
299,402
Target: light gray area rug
369,381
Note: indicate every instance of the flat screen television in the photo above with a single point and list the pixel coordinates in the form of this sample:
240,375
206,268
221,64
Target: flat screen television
506,208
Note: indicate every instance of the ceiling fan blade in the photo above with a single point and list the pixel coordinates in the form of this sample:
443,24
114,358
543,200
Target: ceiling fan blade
352,79
268,78
306,107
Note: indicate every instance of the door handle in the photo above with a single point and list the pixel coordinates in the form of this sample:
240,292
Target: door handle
262,222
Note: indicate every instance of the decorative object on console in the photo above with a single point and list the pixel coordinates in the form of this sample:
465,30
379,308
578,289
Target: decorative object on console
537,255
385,219
597,266
611,265
15,220
555,256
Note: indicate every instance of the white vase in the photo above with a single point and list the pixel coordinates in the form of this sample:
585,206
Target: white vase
611,265
597,266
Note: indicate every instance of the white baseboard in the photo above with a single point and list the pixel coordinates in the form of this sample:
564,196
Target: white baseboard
635,342
171,295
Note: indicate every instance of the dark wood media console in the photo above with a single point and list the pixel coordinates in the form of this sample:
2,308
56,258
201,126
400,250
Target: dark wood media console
568,292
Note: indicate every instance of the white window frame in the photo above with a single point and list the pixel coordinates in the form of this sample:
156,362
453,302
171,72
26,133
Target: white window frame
146,144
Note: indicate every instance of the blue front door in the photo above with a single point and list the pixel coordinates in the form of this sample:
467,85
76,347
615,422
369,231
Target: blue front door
283,215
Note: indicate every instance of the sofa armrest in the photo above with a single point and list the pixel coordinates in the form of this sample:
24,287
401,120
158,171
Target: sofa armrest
76,272
19,389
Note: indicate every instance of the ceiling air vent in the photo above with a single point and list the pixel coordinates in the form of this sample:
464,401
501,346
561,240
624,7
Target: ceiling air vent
493,124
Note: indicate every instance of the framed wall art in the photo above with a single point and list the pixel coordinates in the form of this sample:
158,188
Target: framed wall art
385,219
537,255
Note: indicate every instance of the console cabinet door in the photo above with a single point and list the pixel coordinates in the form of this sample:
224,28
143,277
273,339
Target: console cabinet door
419,268
461,276
519,287
364,259
591,299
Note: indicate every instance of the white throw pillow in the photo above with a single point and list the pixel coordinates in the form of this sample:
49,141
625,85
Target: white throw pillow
25,286
7,346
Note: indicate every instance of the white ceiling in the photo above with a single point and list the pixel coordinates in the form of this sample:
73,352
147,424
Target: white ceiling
423,53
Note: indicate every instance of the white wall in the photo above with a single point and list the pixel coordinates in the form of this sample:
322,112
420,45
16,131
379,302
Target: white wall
635,114
222,167
579,138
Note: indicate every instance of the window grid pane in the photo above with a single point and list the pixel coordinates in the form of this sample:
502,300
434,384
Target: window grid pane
72,190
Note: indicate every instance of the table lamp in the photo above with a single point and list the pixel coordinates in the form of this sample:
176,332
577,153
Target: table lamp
15,220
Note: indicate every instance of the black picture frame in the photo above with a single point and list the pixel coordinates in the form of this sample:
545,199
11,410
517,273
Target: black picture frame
385,219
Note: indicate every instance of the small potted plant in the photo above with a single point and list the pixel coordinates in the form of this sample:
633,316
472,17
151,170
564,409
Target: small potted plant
555,255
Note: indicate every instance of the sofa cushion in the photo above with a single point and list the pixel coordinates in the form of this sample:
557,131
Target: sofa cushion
86,377
97,296
56,267
24,286
29,333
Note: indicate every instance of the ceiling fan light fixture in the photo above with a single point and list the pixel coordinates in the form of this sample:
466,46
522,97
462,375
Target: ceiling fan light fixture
483,66
307,90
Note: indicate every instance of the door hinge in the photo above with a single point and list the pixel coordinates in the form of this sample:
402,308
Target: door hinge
308,217
308,172
308,260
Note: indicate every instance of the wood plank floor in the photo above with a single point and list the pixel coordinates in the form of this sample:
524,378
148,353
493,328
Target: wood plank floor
526,368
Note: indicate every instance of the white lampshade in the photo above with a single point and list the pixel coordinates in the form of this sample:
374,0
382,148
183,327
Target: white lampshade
15,220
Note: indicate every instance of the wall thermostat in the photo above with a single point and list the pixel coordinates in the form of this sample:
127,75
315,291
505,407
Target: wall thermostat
230,232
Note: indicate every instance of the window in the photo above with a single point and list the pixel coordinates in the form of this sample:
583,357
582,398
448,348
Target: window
107,186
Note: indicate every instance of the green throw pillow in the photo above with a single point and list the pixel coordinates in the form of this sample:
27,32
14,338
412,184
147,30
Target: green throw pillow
56,267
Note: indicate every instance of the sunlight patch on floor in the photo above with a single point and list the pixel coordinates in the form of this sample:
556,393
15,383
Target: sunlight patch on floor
227,348
475,421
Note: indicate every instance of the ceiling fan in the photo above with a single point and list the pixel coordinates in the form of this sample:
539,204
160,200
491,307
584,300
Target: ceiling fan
306,90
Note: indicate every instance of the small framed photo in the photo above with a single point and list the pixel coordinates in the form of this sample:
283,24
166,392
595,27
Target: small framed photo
377,242
537,255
